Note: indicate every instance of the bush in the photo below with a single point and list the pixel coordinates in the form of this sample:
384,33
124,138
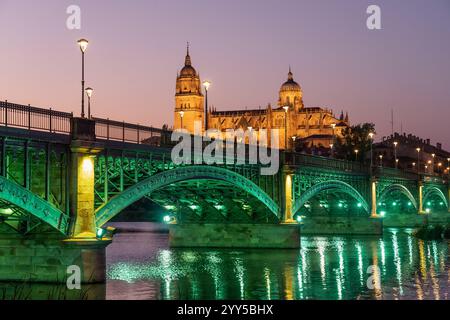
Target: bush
432,232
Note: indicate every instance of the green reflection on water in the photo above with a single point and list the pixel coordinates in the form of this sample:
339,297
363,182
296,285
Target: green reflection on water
324,268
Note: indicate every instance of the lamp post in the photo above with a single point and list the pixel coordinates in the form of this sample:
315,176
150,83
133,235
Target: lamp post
206,85
89,92
395,153
439,168
293,143
433,156
418,160
286,109
371,135
381,160
181,118
356,154
332,150
83,44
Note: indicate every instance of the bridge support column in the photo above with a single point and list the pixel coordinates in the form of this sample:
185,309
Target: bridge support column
448,196
287,196
374,199
421,211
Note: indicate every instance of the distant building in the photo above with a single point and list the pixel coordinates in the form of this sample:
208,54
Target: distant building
432,158
310,127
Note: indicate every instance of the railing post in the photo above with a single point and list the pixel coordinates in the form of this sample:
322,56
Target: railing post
29,117
123,132
6,113
50,120
107,129
138,138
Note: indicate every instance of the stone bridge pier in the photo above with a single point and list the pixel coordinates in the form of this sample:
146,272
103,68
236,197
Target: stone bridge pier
41,253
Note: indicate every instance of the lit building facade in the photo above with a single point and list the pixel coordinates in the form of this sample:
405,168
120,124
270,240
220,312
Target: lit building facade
296,123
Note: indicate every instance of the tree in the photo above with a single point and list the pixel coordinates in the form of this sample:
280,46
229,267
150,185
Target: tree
355,138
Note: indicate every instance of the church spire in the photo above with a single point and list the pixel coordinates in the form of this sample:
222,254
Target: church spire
187,61
290,75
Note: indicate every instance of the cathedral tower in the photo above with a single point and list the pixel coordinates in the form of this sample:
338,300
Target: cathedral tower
291,94
189,99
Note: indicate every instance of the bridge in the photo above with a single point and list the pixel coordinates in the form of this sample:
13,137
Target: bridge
62,178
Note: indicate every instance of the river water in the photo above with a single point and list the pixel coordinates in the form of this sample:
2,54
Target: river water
140,265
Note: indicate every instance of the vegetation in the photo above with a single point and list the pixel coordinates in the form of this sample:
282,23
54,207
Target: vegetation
355,138
433,232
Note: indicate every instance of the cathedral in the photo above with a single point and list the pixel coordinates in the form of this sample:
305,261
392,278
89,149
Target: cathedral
308,127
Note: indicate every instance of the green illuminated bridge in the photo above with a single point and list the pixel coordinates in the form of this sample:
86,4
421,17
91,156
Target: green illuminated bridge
63,178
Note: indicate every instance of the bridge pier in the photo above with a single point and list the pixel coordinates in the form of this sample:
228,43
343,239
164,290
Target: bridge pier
342,225
41,258
405,220
273,236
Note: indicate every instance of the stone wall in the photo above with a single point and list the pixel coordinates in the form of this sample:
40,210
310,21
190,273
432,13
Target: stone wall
47,260
404,220
342,225
235,235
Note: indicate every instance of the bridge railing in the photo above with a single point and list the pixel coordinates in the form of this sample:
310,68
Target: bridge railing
393,172
32,118
132,133
323,162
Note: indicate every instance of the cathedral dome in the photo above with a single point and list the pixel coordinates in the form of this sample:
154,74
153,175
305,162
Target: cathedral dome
290,84
188,71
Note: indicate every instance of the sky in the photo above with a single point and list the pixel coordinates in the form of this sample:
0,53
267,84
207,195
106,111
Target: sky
244,47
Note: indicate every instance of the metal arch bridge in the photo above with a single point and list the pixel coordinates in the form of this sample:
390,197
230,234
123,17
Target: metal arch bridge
51,160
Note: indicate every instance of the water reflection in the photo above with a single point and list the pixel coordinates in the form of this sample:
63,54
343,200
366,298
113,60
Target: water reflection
141,266
324,268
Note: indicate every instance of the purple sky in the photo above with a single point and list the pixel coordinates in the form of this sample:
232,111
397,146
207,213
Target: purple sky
244,47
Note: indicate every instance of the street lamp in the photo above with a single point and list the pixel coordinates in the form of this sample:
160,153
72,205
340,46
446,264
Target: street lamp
293,143
356,153
206,85
83,44
418,160
89,92
433,155
371,135
395,153
439,167
286,109
181,118
381,160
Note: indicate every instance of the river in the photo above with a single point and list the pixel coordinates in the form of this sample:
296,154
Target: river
140,265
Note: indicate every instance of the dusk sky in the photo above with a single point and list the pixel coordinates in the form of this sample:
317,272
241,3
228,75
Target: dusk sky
244,47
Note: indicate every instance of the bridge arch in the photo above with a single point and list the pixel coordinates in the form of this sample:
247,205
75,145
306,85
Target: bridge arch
32,204
330,185
118,203
435,191
402,189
